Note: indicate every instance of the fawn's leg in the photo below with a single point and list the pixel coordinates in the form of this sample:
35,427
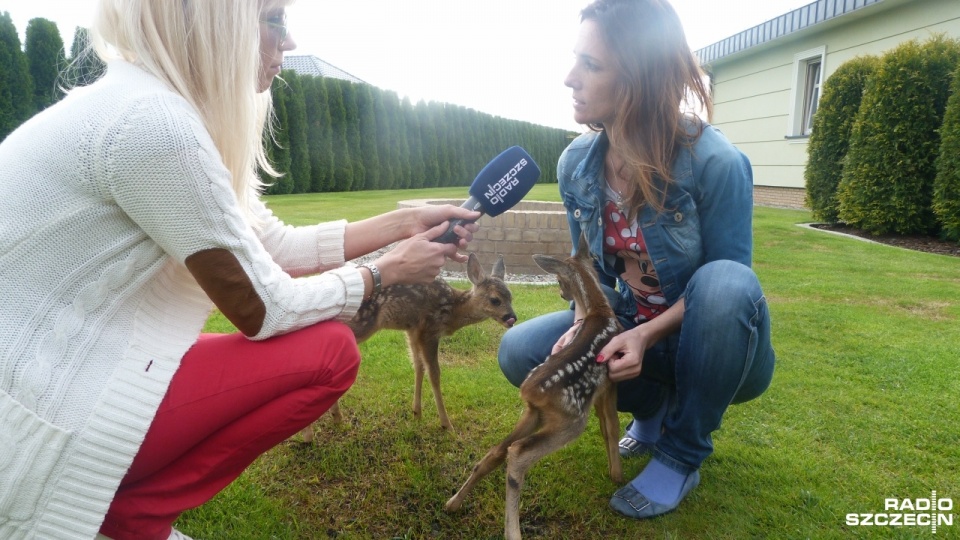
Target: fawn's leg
528,422
430,355
606,408
556,430
335,413
416,356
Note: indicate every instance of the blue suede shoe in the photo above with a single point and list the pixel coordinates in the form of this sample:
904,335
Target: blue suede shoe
631,503
631,448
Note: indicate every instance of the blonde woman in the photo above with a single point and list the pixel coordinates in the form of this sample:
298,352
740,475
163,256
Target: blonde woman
665,202
127,212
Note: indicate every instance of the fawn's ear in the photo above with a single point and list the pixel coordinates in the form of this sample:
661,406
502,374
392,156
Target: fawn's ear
498,269
474,270
550,264
583,248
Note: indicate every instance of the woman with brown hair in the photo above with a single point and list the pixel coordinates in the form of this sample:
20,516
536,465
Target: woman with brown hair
665,202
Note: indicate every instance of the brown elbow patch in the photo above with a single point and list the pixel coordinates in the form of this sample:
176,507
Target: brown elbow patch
222,277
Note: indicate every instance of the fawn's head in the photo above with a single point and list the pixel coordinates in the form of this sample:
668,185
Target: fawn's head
490,295
575,274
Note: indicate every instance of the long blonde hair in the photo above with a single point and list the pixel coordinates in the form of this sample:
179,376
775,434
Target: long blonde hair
657,75
207,51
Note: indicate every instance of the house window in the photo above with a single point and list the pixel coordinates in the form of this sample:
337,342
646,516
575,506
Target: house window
805,91
811,94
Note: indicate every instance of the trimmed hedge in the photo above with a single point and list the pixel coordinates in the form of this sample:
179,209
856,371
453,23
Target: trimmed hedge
830,138
946,187
888,175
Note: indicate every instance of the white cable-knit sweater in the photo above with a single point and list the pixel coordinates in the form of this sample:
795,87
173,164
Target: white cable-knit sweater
103,197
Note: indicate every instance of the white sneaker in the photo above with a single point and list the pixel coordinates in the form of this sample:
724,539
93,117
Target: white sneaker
177,535
174,535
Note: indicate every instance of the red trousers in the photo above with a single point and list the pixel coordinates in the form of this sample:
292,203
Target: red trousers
230,401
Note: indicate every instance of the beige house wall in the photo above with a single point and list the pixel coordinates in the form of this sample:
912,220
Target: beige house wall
754,90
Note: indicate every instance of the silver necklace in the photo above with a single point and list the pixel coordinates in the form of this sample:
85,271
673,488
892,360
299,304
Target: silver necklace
617,192
621,204
618,199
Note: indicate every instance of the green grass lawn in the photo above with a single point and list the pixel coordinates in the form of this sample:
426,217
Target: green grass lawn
864,406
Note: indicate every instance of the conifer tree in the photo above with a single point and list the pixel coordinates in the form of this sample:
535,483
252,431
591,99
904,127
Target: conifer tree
830,138
386,103
401,145
370,156
343,166
45,59
297,132
85,66
280,145
887,181
352,110
946,186
16,88
318,133
418,140
461,117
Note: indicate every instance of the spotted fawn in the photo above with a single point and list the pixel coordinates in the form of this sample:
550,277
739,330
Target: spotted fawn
426,313
559,393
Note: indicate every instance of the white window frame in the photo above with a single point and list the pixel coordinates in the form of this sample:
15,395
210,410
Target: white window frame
799,90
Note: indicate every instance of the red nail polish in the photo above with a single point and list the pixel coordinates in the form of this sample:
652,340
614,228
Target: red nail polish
600,358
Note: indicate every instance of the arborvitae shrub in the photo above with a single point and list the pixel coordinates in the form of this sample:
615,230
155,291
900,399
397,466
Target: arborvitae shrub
85,66
887,182
16,86
829,140
946,187
45,57
297,126
279,150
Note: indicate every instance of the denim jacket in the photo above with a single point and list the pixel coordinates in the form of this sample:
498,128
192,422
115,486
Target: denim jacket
708,211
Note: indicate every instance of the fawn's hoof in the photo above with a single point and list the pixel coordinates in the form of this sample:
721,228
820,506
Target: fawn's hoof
616,475
452,505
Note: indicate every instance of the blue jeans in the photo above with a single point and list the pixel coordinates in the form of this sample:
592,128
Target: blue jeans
721,355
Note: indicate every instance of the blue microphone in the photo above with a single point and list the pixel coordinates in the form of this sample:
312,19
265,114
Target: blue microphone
498,188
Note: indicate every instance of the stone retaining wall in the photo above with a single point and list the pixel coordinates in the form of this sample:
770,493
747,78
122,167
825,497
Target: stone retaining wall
779,197
528,228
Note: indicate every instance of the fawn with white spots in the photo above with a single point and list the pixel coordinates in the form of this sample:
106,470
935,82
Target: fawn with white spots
559,393
426,313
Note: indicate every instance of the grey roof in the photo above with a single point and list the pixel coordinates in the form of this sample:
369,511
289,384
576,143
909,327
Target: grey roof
788,23
306,64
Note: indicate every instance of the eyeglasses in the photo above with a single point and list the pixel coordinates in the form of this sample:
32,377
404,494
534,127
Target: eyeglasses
278,24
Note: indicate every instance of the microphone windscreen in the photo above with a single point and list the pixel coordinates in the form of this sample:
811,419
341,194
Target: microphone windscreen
505,180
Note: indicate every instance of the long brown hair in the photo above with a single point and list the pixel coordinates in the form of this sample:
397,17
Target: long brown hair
657,75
